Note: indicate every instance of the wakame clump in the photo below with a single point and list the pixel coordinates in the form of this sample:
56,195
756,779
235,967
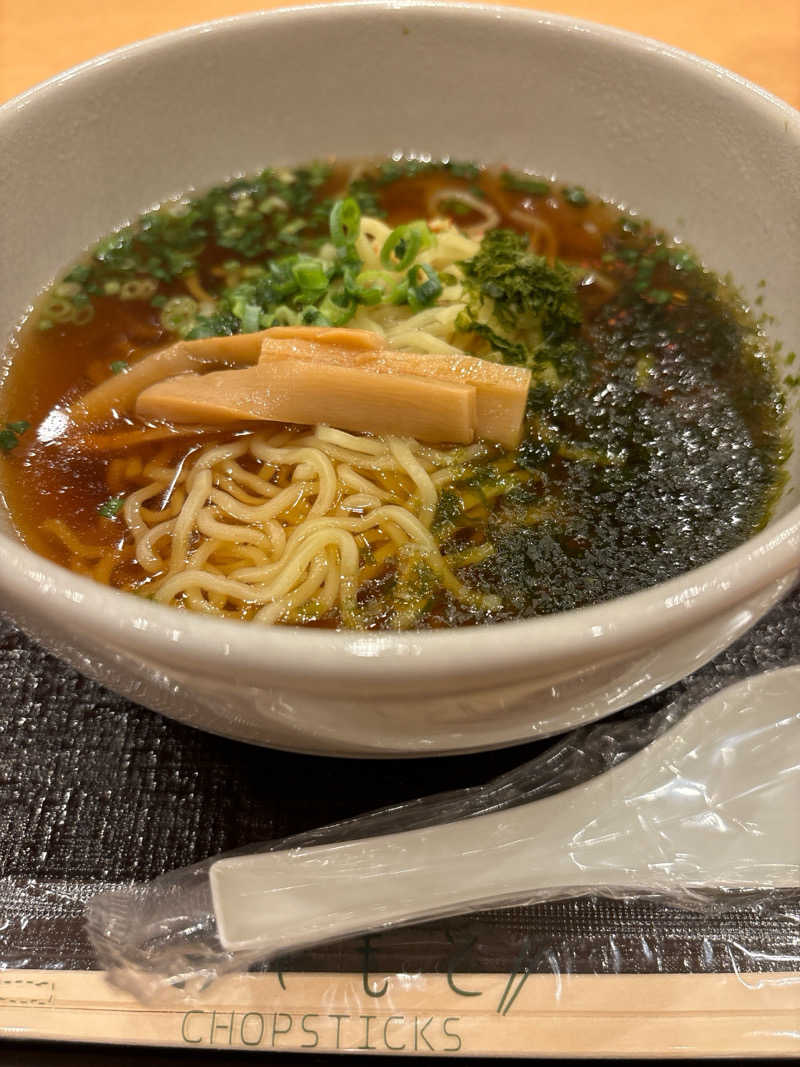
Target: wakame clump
521,305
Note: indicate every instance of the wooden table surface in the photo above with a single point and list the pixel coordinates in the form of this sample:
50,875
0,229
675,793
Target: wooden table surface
761,41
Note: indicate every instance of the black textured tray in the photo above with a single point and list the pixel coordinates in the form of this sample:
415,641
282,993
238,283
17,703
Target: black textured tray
97,792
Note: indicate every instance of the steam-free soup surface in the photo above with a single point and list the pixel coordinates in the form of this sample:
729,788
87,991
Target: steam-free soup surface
653,439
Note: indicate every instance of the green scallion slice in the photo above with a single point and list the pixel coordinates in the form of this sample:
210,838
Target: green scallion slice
575,195
424,286
8,440
310,274
337,313
374,286
110,508
403,244
250,318
345,218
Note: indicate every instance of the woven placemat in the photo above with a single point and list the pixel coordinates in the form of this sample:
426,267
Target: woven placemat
96,792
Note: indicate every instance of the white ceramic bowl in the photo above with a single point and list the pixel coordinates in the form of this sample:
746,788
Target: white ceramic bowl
699,150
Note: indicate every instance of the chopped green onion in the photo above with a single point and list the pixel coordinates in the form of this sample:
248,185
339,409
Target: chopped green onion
45,324
312,316
344,221
218,324
575,195
60,310
119,366
424,286
110,508
9,436
8,440
243,307
400,293
138,289
373,286
179,314
401,247
272,203
659,296
284,316
335,312
310,274
280,274
291,229
79,274
681,260
630,225
523,183
66,290
250,318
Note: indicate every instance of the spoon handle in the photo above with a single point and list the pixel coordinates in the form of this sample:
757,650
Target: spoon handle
704,805
281,899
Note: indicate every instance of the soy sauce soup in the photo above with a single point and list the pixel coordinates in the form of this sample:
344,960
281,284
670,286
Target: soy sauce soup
653,440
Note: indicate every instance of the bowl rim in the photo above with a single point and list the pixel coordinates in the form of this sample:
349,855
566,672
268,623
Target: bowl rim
610,628
355,8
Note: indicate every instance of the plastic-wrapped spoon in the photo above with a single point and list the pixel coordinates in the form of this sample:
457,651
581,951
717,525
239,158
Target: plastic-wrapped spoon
712,803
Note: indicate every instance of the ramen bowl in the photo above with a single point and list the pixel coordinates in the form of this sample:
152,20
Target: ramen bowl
707,155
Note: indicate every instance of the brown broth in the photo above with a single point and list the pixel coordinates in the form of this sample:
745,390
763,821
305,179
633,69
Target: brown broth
50,477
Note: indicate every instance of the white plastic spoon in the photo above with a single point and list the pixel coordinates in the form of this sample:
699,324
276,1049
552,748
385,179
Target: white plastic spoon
713,802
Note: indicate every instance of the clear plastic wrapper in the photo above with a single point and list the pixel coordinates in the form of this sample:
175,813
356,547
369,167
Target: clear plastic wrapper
689,805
